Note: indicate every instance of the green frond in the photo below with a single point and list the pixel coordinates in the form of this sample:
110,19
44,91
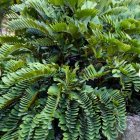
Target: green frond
83,126
121,46
108,19
44,42
91,73
110,112
6,49
25,127
14,65
23,23
12,120
14,93
71,121
34,70
56,2
18,7
116,10
59,27
37,5
130,26
72,3
27,100
11,40
44,119
85,103
12,15
69,69
85,13
132,75
10,136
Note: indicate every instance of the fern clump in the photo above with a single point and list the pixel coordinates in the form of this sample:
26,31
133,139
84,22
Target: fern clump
67,73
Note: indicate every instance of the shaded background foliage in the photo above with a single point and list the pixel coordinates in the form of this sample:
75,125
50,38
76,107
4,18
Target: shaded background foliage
5,6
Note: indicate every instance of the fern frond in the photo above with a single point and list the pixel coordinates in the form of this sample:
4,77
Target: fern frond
18,7
107,19
132,74
85,103
37,5
12,15
111,121
57,2
59,27
6,49
10,135
14,65
44,119
27,100
81,14
23,23
25,127
12,120
91,73
116,10
34,70
11,40
44,42
71,121
12,94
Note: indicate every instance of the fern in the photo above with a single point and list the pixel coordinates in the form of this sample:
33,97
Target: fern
6,49
23,23
34,70
27,100
91,73
86,13
70,69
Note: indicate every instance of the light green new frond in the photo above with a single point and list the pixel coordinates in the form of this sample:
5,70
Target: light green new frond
121,46
59,27
14,65
81,14
12,15
56,2
130,26
18,7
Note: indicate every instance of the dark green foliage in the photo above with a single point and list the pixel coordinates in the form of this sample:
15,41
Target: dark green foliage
70,70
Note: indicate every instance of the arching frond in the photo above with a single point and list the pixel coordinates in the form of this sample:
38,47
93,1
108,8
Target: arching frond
23,23
34,70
